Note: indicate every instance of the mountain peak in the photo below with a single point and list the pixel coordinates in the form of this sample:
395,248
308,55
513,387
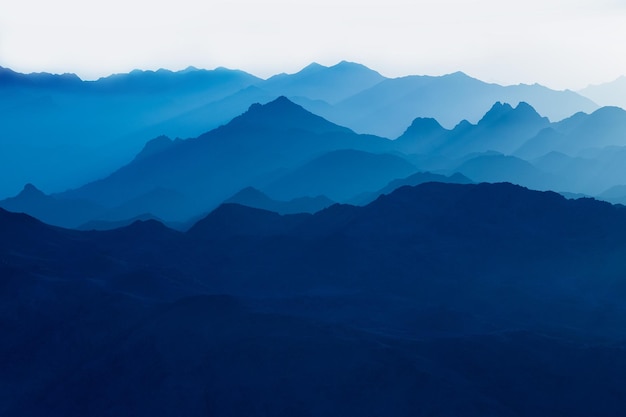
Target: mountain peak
462,125
609,112
504,112
247,194
423,127
496,111
154,146
350,65
427,124
30,190
522,105
457,74
523,108
312,67
279,103
284,114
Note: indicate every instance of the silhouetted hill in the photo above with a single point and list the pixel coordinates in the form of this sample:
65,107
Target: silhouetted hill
508,219
161,202
504,114
426,302
505,168
387,108
412,180
424,135
285,115
252,197
604,127
252,150
58,212
205,117
112,224
232,220
329,84
157,145
502,129
581,154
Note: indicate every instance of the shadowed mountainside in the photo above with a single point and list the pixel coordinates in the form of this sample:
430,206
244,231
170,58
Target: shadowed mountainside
436,296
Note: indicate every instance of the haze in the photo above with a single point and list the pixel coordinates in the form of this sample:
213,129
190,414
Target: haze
561,44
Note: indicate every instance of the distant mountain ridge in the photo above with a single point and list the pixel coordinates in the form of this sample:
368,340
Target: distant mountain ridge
608,94
389,107
502,129
289,153
329,84
278,258
49,209
519,145
119,113
252,150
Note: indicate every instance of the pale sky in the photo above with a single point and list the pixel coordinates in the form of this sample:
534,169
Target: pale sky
558,43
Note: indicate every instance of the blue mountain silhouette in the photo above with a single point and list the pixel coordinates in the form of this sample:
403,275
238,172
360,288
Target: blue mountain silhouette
252,197
120,112
416,296
328,84
387,108
604,127
252,150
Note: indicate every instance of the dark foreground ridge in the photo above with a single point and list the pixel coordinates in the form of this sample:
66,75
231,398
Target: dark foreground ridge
433,300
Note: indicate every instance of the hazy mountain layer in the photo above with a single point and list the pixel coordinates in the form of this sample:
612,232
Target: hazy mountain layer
607,94
290,153
60,132
254,149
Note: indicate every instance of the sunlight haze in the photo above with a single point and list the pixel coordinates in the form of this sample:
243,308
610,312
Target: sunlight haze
560,44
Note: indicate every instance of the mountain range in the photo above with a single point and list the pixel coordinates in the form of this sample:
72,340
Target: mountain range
288,153
86,129
468,299
273,147
329,242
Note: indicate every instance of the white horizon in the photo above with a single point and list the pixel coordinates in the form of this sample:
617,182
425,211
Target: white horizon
556,43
